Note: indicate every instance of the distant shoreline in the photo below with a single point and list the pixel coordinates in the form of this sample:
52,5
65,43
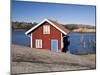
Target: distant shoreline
24,26
84,30
19,30
75,30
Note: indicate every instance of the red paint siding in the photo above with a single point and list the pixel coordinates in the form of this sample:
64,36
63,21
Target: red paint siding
46,38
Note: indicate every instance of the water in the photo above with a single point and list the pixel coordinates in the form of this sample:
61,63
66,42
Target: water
82,43
79,42
19,38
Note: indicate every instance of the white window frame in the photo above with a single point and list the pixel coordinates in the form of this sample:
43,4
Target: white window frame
46,29
38,43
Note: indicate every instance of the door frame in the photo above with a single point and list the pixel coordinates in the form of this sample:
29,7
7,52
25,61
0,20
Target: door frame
57,44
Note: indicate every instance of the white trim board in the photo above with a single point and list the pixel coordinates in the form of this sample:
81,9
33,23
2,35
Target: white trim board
27,32
61,41
31,44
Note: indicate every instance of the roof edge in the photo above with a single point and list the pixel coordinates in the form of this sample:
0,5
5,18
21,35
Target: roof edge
27,32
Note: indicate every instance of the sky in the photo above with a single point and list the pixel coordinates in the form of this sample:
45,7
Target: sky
23,11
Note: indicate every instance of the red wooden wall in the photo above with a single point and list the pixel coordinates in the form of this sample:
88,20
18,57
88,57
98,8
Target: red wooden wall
46,38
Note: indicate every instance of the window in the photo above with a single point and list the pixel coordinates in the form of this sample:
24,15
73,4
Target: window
38,43
46,29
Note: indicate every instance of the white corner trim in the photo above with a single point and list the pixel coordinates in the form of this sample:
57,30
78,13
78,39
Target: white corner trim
43,22
61,41
31,45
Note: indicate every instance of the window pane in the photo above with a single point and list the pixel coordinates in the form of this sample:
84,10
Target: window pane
38,43
46,29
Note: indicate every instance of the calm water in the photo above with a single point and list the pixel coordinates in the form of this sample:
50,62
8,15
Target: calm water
82,42
79,42
19,37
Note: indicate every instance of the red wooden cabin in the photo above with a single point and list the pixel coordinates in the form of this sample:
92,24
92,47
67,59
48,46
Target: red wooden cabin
48,35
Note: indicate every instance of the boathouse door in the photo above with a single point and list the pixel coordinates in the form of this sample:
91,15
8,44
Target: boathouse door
54,45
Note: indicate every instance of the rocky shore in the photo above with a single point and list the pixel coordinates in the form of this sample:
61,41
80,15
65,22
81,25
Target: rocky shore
31,60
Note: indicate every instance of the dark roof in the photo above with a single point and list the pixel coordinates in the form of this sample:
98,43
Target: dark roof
60,26
55,24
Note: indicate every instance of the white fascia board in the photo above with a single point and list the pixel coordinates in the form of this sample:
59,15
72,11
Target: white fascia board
43,22
57,27
35,27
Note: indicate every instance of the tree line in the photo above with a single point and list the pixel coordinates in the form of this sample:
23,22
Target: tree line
22,25
27,26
